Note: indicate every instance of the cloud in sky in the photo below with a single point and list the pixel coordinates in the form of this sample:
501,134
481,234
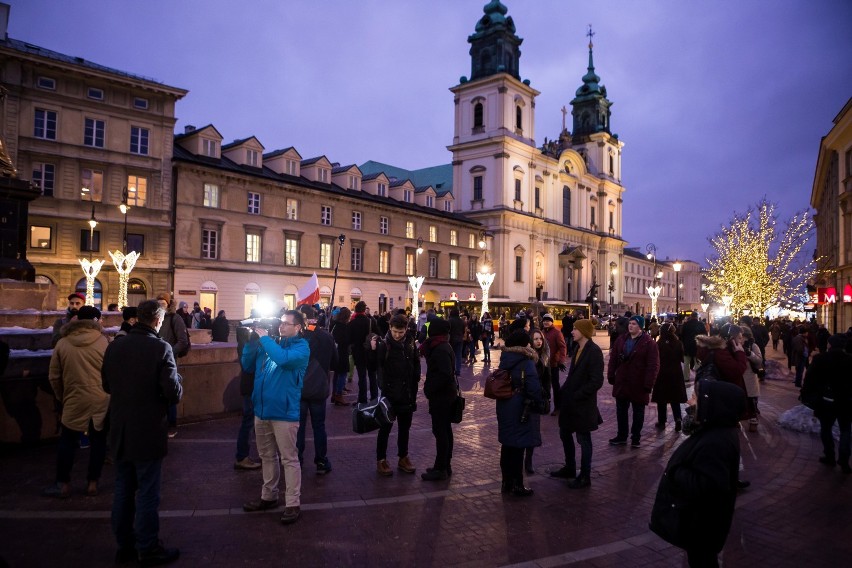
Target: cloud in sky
719,103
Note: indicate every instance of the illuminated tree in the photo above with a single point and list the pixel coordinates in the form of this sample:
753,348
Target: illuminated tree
756,263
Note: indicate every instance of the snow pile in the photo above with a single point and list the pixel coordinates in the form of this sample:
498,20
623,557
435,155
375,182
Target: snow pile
800,418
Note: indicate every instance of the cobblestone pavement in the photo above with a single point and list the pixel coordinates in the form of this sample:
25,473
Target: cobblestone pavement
796,512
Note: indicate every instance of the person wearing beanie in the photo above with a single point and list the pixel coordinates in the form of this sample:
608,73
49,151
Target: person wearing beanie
634,362
518,419
75,375
440,390
75,302
558,351
579,414
129,315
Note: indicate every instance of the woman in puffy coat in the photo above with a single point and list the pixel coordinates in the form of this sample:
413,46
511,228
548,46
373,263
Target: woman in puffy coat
518,420
669,388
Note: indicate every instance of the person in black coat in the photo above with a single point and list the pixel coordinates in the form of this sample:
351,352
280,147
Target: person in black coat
691,329
669,388
340,333
220,327
695,500
578,404
140,374
457,329
399,374
360,327
828,390
440,389
518,417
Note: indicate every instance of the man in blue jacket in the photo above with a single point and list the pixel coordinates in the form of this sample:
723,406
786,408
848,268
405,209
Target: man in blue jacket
279,371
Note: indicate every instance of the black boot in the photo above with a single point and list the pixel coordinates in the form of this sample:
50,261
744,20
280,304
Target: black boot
519,490
528,467
581,482
505,486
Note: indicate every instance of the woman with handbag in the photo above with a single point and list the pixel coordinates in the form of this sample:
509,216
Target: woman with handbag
518,417
542,368
398,364
441,391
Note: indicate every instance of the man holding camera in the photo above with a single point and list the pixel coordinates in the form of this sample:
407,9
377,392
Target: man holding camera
279,370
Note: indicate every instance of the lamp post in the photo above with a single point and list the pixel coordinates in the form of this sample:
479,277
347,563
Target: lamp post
654,289
91,268
677,266
612,272
485,276
415,281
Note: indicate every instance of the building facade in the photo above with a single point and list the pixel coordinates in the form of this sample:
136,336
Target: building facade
831,198
643,270
90,138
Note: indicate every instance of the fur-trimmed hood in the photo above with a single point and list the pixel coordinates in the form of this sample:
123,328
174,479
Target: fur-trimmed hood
529,352
81,332
710,342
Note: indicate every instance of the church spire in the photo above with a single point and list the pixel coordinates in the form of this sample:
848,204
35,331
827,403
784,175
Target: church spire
494,46
591,108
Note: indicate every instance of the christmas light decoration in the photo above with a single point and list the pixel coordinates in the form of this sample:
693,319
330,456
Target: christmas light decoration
485,280
124,263
91,268
757,265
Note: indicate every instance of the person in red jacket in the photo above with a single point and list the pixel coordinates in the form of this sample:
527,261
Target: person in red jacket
633,366
727,352
558,355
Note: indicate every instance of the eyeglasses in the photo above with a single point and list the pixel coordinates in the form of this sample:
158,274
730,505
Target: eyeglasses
287,323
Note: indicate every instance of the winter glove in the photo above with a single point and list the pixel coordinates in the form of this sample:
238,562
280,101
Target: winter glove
562,368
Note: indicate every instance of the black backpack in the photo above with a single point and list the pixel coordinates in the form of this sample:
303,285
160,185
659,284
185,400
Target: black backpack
708,371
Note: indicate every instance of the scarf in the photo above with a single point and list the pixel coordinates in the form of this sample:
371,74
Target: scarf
433,342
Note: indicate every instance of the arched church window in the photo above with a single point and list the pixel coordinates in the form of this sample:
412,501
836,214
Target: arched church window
519,122
477,116
566,205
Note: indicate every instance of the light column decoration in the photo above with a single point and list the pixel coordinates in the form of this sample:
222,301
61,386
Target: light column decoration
124,263
485,276
416,282
677,266
654,289
613,270
91,268
704,309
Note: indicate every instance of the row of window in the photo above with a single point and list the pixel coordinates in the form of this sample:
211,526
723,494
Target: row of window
91,184
42,238
94,93
94,131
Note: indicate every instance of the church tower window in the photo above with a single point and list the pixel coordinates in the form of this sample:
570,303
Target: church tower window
477,116
566,205
519,118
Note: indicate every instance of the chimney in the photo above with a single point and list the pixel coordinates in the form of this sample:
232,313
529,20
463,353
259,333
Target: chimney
188,128
4,20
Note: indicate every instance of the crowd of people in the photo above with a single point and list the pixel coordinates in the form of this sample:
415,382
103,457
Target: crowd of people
122,395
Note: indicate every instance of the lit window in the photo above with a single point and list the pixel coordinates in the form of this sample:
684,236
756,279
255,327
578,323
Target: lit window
356,220
325,216
357,258
454,268
209,243
137,191
454,237
253,203
211,195
384,261
433,234
44,125
139,140
383,225
93,134
41,237
291,251
409,229
292,209
91,185
471,241
325,255
409,263
44,176
252,247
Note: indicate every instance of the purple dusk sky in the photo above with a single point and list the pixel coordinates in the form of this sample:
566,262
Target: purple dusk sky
719,103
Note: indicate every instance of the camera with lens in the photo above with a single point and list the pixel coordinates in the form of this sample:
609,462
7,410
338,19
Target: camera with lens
269,324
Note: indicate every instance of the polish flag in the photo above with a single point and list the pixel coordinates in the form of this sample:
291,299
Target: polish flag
309,293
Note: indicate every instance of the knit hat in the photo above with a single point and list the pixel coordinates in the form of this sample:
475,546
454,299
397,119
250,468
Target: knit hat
640,321
88,313
165,296
586,327
129,312
518,338
183,305
547,317
77,295
439,326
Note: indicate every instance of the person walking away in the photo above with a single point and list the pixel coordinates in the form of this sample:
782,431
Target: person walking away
440,390
75,302
799,354
475,327
691,329
542,369
399,374
279,369
340,333
518,420
696,496
761,338
140,374
669,388
750,376
487,337
457,329
316,389
634,363
828,387
556,362
360,327
174,332
75,369
220,327
579,414
775,334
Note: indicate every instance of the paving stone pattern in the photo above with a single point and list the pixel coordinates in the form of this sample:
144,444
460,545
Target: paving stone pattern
796,513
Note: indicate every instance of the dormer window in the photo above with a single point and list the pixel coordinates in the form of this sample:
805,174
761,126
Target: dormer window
323,175
382,190
448,207
208,148
407,195
291,167
430,201
252,158
353,182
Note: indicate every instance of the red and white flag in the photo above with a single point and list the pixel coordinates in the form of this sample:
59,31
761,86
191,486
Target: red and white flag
309,293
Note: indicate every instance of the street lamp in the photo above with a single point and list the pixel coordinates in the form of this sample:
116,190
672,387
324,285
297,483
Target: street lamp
91,268
416,281
677,266
612,272
124,207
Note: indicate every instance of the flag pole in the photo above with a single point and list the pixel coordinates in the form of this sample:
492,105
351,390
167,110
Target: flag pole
342,239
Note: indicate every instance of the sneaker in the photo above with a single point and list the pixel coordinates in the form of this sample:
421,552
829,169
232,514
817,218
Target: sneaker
635,444
290,515
158,555
259,505
383,468
246,463
172,434
743,484
405,465
324,467
618,441
564,473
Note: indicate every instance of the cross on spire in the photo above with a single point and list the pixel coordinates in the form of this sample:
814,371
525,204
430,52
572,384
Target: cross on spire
591,34
564,114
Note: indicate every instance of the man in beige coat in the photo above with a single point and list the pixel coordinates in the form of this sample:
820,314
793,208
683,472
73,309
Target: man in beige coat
75,375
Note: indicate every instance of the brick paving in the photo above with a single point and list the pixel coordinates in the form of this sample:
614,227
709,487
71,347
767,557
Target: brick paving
796,513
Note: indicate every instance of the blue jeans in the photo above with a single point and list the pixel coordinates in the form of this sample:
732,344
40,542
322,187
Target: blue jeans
621,407
457,349
339,382
486,349
246,428
363,374
135,520
316,408
585,441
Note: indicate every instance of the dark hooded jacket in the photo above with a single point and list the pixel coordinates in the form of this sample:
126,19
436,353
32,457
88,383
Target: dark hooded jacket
399,372
696,496
829,383
440,384
520,362
578,397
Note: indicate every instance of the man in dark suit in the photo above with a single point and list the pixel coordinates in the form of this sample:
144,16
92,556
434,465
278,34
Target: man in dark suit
140,374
